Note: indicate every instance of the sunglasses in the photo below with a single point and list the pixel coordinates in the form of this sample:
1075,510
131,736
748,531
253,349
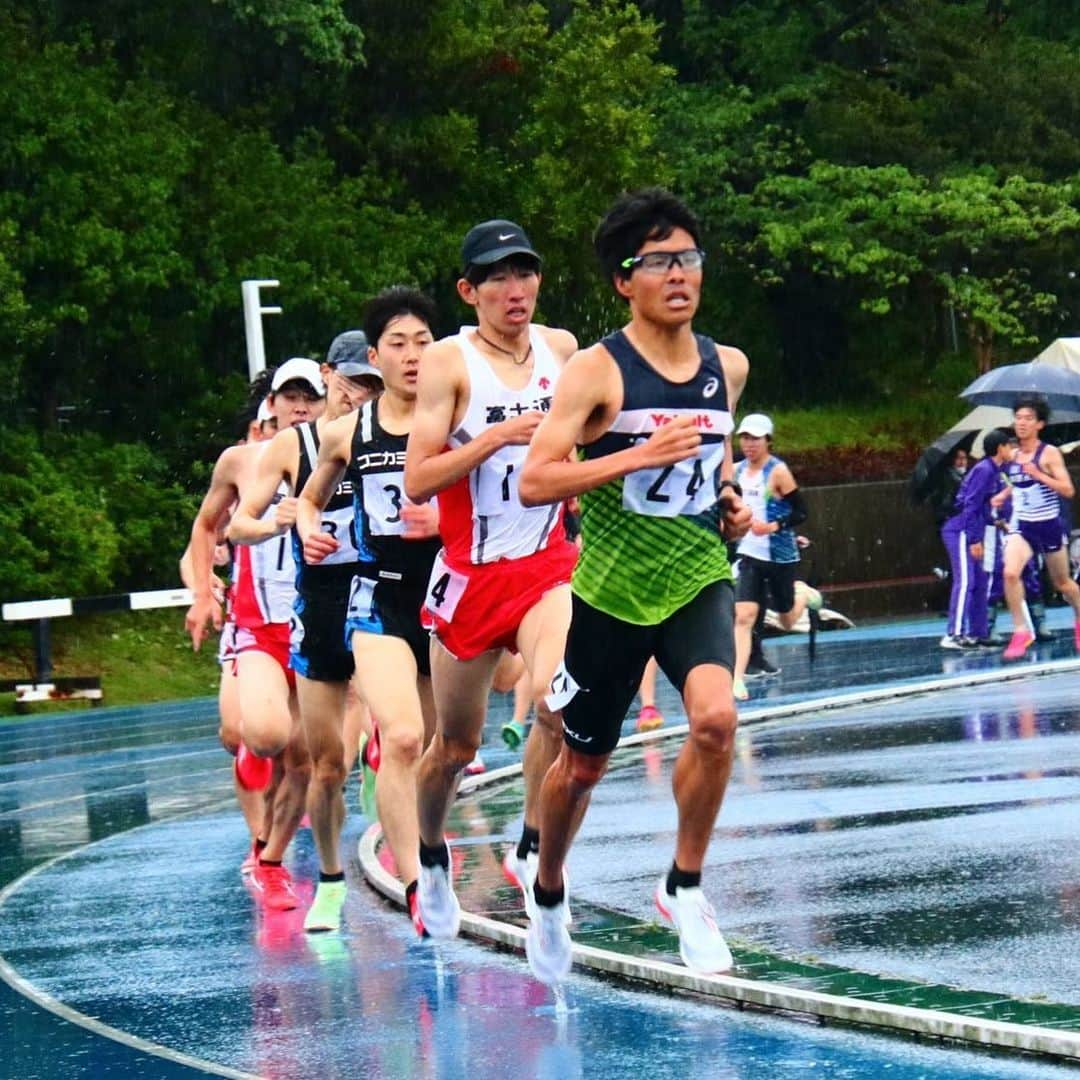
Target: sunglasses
660,262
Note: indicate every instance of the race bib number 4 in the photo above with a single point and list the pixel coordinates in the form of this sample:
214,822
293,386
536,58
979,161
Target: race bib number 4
445,589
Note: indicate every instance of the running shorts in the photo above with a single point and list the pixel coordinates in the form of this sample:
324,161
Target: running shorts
318,648
270,638
478,608
1043,537
760,579
606,657
379,605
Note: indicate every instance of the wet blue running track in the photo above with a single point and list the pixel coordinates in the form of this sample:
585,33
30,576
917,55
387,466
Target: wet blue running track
929,838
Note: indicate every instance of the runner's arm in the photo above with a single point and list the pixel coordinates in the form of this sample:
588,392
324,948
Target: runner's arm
276,463
334,451
552,471
204,532
736,367
429,466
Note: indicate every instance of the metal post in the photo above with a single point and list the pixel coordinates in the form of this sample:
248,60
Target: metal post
253,313
42,652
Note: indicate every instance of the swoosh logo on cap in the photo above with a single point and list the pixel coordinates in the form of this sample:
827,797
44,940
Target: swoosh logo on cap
508,236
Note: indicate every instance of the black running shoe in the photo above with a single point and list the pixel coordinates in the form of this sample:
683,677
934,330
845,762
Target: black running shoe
759,667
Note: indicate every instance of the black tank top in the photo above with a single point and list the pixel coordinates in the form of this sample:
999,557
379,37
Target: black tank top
377,473
334,573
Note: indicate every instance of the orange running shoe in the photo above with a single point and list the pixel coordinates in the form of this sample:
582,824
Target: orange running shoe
649,719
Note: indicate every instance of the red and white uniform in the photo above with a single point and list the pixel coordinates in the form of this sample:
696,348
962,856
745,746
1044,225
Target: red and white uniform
499,557
263,592
481,517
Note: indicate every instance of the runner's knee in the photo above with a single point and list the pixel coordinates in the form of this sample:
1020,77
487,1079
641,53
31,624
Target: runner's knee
329,773
712,725
585,770
403,746
456,752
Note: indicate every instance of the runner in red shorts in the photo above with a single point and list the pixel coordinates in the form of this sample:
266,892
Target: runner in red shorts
502,578
262,603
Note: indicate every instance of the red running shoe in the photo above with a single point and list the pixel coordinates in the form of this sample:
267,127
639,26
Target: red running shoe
414,914
275,884
252,772
251,860
1019,643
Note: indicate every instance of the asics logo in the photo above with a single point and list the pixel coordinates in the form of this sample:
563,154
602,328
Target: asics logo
508,236
710,387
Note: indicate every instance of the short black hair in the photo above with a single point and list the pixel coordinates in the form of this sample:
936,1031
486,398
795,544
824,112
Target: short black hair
477,273
1036,402
995,440
258,391
392,303
637,216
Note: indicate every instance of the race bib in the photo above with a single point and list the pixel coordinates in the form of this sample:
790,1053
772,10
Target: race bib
445,589
687,487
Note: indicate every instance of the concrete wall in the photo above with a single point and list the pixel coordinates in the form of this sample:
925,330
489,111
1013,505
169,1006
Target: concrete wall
873,552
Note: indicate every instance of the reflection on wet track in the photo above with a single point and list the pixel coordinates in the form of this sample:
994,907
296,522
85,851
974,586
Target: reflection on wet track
929,838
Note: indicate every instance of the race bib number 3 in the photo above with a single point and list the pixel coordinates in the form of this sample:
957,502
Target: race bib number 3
445,589
383,500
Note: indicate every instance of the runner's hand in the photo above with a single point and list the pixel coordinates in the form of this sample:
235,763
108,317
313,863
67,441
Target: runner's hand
519,430
674,441
318,546
204,610
736,517
421,521
761,528
285,514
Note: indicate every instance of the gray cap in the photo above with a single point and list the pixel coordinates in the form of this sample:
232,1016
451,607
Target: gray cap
348,355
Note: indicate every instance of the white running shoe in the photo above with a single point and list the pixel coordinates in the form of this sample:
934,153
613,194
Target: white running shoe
701,945
440,911
814,599
522,873
548,947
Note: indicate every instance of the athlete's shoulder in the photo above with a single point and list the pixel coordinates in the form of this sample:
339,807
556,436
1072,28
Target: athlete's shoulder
444,362
335,436
561,342
591,376
734,360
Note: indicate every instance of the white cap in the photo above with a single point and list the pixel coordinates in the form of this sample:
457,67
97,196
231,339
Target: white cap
265,412
299,367
756,424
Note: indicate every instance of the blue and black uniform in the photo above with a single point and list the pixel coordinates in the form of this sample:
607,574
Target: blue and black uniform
391,575
767,564
317,639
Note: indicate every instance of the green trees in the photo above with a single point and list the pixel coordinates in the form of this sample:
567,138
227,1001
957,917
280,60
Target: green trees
888,188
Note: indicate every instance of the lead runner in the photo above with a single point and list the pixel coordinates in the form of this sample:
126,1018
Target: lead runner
651,408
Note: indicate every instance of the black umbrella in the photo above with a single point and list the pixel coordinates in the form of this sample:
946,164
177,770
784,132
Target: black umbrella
1002,386
929,472
930,468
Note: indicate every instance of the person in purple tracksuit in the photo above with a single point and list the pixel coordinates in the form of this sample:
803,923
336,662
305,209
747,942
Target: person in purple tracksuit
970,537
